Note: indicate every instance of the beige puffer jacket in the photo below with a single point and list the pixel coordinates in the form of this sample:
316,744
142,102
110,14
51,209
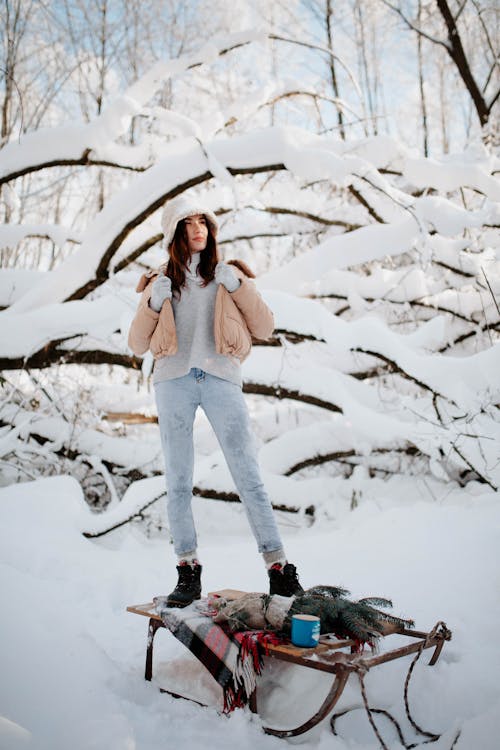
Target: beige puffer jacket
238,317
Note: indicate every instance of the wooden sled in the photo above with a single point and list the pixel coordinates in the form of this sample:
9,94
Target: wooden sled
326,657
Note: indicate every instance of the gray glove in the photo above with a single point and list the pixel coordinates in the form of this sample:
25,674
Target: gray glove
160,291
225,275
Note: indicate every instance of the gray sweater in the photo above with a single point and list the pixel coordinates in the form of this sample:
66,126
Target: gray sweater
194,325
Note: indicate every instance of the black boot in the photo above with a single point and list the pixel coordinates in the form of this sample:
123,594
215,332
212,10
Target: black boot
188,586
283,580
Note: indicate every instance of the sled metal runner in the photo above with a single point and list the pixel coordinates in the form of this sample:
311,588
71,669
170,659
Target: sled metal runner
326,657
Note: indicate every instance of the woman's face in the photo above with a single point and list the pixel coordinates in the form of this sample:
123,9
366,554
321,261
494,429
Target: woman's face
196,232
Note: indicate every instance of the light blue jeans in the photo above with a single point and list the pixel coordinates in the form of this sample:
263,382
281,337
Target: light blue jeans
223,402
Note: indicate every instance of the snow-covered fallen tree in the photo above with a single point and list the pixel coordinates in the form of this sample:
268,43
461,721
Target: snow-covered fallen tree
386,306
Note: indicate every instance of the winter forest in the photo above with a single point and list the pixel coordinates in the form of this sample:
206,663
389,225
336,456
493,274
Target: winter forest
349,151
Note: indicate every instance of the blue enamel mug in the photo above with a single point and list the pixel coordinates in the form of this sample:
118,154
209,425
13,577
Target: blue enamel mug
305,630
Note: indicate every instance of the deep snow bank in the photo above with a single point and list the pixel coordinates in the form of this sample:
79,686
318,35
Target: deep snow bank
71,658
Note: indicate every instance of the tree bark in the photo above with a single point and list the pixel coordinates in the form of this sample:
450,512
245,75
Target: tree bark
423,103
331,66
457,53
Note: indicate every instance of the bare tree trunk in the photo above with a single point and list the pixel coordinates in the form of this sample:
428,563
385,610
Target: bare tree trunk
454,47
365,74
16,17
456,51
14,29
423,104
443,108
375,69
333,73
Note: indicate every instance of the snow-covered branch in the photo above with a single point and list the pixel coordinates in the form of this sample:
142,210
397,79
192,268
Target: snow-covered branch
12,234
406,271
95,142
186,164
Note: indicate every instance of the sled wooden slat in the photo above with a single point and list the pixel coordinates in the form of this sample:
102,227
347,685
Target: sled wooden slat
308,657
326,657
148,610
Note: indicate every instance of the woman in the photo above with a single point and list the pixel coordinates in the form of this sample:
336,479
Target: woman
197,314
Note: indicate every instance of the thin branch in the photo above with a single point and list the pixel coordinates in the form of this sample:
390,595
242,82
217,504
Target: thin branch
481,477
41,236
494,53
396,368
356,194
327,51
312,217
412,26
85,160
412,302
464,336
339,104
493,100
491,290
459,11
458,271
227,497
257,235
132,517
324,458
137,252
262,389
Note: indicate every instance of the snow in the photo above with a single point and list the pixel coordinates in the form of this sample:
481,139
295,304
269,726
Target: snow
187,159
60,432
352,249
15,282
11,234
416,284
72,658
447,218
35,328
449,174
464,379
72,140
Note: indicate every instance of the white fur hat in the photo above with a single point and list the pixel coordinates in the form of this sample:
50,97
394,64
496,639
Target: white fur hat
180,208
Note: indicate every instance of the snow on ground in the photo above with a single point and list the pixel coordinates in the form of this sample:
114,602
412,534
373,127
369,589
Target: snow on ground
72,658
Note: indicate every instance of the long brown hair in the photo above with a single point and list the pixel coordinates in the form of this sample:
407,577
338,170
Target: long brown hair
180,257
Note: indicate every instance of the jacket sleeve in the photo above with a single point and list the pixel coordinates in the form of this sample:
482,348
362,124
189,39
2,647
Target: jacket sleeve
258,316
143,325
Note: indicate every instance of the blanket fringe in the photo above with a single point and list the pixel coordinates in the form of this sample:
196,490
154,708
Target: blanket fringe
253,647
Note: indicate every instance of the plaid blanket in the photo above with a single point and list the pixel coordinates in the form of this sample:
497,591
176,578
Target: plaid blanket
233,659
